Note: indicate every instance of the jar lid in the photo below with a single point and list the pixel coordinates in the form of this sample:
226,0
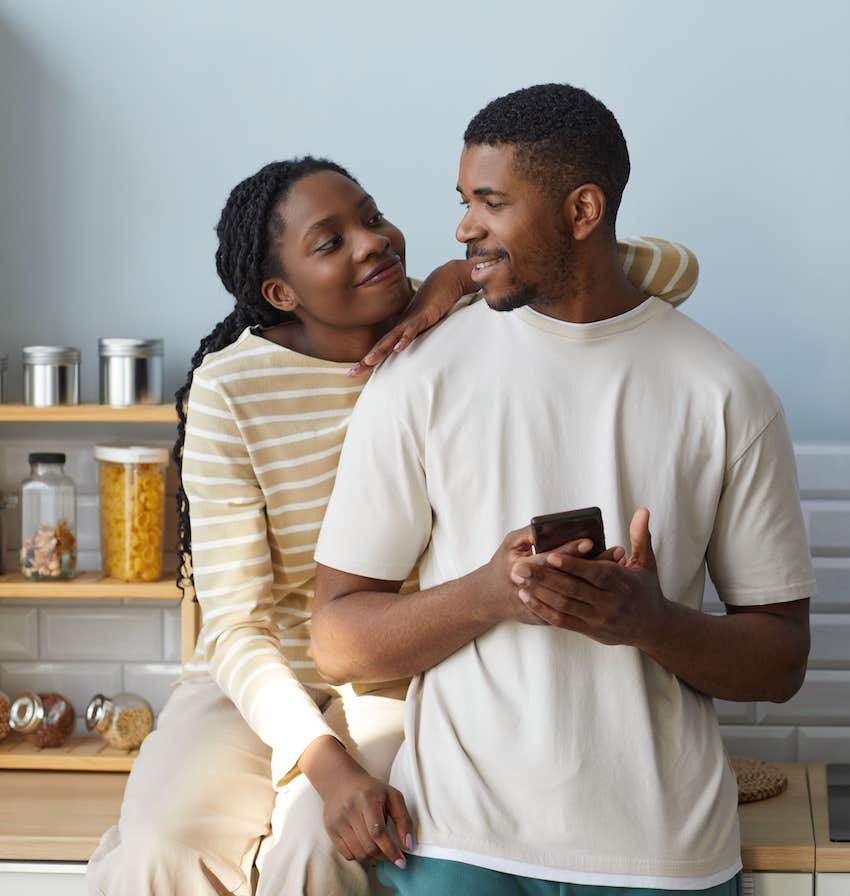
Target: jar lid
27,713
117,453
129,348
46,457
50,354
96,712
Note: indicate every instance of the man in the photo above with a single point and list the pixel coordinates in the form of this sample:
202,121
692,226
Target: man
560,726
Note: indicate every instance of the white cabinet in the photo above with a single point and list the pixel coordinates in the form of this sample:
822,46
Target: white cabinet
836,884
778,883
42,878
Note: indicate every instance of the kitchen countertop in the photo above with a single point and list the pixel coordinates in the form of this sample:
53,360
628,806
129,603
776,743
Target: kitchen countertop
829,856
776,834
62,815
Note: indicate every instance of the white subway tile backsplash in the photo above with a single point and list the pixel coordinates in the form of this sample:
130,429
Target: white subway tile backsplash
824,699
828,524
81,647
830,641
171,645
152,681
79,682
730,712
823,470
18,633
823,744
833,578
761,742
88,631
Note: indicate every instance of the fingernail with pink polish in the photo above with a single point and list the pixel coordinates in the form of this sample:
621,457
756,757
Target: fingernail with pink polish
400,863
408,841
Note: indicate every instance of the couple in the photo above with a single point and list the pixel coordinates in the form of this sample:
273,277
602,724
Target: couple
558,733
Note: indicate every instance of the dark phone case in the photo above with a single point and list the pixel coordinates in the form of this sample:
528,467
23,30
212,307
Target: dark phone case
555,529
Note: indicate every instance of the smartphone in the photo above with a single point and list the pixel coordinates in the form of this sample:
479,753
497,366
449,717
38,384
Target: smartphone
554,529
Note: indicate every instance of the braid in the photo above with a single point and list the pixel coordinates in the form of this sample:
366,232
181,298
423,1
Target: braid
248,230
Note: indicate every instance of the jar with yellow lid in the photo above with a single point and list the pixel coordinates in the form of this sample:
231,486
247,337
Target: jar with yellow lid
131,485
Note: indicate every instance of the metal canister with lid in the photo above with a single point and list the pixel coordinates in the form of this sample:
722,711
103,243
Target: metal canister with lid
46,720
123,721
130,371
51,375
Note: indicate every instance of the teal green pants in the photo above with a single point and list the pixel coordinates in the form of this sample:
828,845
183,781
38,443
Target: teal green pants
438,877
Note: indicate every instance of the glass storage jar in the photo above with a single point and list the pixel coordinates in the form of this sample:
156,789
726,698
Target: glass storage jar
123,721
132,509
5,712
46,720
48,520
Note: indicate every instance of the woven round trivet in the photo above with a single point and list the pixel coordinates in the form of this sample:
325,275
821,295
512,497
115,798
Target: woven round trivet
757,780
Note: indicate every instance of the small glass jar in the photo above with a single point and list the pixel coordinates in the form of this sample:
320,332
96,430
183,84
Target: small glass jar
48,520
5,713
123,721
131,483
46,720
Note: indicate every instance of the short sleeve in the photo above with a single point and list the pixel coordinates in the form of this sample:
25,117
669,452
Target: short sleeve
758,553
378,522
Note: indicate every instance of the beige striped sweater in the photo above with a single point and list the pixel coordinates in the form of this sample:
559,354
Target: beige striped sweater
264,431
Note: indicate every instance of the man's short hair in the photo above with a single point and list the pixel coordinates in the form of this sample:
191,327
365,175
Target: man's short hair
563,137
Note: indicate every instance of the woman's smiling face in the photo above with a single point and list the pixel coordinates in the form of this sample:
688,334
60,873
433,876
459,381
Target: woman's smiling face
343,263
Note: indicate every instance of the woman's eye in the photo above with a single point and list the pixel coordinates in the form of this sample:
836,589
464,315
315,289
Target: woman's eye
332,243
377,218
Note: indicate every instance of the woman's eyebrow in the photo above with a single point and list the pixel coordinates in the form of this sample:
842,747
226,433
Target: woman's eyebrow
324,222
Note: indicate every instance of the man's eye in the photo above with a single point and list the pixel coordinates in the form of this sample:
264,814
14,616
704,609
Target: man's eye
376,219
495,204
332,243
464,203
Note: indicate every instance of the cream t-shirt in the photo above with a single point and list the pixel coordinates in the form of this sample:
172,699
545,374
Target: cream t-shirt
536,750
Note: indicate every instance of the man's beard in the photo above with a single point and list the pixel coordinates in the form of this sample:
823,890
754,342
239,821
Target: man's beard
561,280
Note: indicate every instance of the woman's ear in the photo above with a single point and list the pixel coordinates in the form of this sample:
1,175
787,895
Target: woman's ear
279,294
584,209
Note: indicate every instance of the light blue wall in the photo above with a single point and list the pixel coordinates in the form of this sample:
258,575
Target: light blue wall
123,127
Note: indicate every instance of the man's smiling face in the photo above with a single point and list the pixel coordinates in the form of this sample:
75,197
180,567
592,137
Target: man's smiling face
514,229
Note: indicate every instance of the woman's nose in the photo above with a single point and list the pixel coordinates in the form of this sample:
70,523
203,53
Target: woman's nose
371,243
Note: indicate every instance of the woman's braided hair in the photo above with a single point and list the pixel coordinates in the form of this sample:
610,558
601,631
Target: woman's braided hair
248,230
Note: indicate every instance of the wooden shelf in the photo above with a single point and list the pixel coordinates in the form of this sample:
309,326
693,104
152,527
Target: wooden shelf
58,816
88,586
88,413
80,753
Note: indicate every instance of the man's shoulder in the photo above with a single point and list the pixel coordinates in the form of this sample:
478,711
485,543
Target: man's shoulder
701,357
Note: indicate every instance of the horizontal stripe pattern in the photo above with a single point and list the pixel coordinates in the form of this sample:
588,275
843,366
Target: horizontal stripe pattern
264,431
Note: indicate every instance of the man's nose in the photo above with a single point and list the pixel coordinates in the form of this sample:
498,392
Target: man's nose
469,228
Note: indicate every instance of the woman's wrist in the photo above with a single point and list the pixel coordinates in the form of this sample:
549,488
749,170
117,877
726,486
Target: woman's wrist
323,763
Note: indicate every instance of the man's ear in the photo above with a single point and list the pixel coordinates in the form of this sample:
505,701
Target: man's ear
279,294
584,209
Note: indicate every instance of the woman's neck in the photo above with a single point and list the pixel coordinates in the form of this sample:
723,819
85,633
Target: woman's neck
327,343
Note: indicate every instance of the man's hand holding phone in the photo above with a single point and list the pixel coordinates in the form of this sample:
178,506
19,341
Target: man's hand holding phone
609,599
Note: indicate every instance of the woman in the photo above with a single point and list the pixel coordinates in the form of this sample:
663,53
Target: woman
253,751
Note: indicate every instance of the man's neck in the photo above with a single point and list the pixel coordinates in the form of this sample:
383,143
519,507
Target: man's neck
598,290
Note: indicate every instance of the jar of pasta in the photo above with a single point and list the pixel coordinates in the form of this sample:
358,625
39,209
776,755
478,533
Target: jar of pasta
132,504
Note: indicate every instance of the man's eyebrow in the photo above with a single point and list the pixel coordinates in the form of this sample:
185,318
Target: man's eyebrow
483,191
325,221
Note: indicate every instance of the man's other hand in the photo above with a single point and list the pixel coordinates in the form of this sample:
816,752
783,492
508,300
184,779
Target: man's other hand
611,599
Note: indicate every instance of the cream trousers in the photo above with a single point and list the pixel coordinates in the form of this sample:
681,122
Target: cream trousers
201,816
